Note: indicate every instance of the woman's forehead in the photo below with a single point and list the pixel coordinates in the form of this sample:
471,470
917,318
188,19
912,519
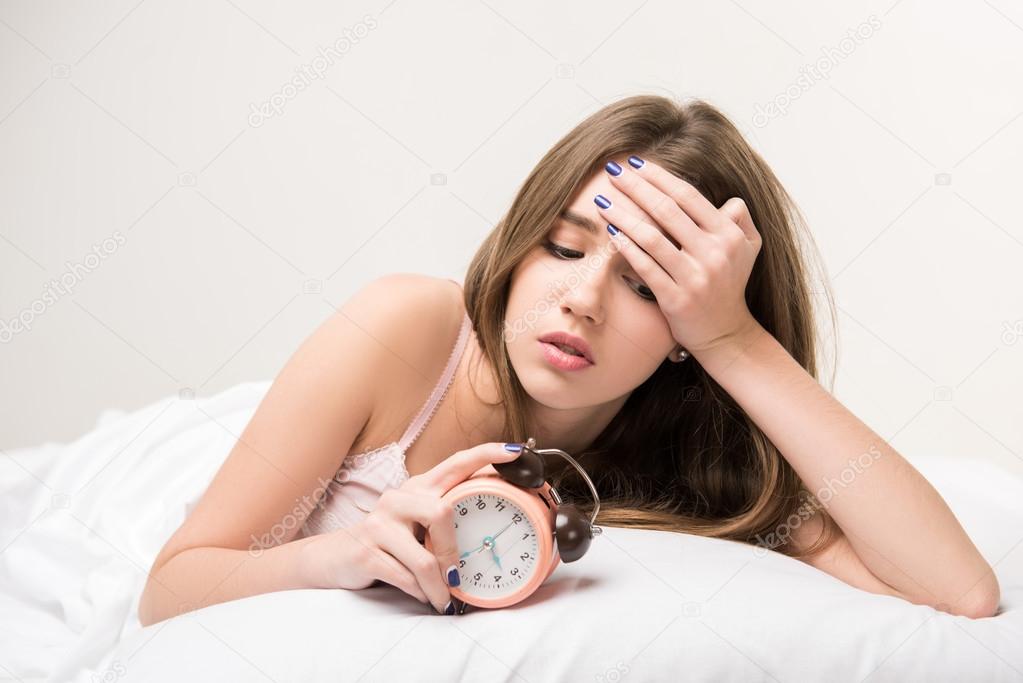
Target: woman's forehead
583,208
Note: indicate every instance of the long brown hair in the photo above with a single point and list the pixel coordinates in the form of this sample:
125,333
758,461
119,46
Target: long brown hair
681,454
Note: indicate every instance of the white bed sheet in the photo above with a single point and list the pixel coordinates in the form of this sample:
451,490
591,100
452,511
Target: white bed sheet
81,523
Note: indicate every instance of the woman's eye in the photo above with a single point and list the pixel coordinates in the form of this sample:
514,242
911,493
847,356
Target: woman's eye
645,292
561,252
568,254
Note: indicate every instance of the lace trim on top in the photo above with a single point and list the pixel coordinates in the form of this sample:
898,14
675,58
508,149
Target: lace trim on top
357,461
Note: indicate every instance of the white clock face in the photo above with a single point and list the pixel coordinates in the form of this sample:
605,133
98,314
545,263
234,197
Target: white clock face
497,545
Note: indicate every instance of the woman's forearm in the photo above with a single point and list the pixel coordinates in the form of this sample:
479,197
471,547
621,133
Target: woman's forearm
198,577
899,525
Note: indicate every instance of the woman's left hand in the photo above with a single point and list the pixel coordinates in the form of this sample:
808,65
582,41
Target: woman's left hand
700,287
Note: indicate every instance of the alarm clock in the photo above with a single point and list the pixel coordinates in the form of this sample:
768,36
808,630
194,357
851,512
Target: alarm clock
512,529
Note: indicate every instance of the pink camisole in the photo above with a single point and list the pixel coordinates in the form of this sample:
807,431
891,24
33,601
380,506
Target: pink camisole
353,491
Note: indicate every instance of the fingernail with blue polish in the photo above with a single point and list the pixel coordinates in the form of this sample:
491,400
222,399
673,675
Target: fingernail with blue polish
453,578
613,168
513,447
449,608
602,201
612,229
636,162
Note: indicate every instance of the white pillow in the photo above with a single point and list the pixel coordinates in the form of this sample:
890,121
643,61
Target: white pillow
641,605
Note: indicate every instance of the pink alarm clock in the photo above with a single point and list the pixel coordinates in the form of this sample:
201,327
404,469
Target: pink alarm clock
513,529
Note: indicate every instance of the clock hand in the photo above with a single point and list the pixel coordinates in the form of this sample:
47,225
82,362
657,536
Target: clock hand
497,558
509,548
480,547
493,548
476,549
502,530
470,552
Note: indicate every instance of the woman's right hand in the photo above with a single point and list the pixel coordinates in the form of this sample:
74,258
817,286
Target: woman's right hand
386,544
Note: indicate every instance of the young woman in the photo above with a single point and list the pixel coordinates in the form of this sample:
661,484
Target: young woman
670,257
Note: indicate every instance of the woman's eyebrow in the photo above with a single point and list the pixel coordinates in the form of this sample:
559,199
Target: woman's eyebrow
578,219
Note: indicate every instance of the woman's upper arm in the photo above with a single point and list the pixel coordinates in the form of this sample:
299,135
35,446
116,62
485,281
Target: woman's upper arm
308,420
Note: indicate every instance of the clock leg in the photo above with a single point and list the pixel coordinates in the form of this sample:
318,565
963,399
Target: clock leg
460,606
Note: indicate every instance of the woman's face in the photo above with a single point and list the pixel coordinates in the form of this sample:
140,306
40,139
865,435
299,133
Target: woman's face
578,283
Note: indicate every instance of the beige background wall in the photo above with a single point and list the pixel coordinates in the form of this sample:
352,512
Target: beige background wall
174,217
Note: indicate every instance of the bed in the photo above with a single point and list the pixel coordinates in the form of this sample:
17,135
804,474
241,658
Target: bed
80,524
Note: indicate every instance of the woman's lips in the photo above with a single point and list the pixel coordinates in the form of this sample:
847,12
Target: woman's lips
561,360
577,344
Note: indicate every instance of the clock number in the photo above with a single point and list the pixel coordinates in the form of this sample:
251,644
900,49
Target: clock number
516,518
515,571
481,504
463,511
477,576
525,536
500,506
461,563
524,556
497,578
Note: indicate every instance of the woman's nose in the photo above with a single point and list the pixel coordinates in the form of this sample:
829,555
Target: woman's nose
584,295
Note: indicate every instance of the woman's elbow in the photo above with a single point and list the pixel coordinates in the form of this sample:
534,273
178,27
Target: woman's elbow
154,601
980,602
146,613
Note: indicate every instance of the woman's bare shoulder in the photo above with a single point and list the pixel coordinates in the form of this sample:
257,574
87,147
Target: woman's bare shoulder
316,407
413,315
416,319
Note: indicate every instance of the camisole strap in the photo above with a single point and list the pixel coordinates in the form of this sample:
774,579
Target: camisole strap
440,390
